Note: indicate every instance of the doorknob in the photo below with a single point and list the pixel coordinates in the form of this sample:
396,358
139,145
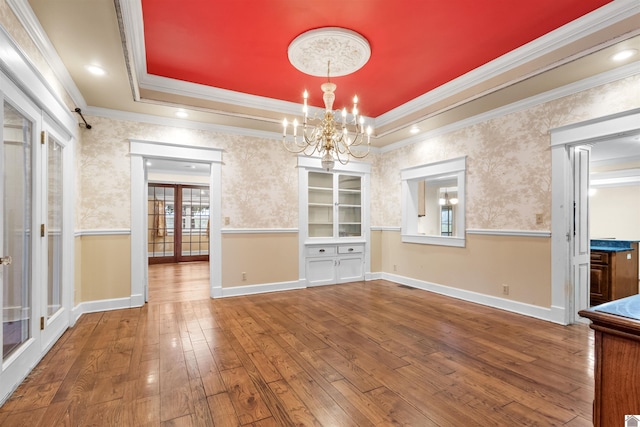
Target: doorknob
6,260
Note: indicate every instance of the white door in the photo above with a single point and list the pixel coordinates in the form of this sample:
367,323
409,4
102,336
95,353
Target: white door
580,230
20,330
54,314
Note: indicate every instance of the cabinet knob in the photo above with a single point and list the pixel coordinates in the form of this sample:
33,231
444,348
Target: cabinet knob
321,250
350,249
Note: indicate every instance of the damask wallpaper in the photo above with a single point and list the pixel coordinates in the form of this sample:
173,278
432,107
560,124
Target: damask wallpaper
508,167
508,160
259,178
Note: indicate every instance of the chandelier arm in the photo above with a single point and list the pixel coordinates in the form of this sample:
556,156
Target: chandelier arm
358,156
342,162
297,148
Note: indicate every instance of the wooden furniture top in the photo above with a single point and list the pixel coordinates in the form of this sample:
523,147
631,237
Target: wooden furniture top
622,315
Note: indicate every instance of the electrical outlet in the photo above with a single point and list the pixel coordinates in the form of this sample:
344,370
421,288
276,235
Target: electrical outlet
395,267
227,220
244,276
539,219
505,289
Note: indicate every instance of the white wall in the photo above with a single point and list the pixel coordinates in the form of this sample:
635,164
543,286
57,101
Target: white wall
615,213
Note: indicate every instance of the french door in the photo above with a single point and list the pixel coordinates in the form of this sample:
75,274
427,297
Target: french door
35,311
178,221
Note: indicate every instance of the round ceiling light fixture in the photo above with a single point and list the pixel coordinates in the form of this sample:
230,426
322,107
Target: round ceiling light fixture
624,54
96,70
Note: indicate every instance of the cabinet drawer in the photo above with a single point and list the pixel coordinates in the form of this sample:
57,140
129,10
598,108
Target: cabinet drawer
351,249
600,257
321,250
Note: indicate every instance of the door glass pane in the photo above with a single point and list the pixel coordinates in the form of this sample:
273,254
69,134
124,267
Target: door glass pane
16,223
195,219
160,221
54,226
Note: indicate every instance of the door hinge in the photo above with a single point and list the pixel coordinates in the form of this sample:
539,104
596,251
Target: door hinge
42,323
41,230
42,137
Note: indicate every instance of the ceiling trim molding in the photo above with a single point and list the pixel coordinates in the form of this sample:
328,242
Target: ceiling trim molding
32,26
614,162
208,93
616,74
187,124
588,24
126,24
619,178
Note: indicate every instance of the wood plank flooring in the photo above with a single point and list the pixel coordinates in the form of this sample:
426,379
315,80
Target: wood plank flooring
359,354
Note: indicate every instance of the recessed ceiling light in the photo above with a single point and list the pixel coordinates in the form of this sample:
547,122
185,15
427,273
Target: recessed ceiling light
96,70
182,114
624,54
414,129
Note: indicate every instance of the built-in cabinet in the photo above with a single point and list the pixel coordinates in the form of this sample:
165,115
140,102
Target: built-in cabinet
331,264
334,218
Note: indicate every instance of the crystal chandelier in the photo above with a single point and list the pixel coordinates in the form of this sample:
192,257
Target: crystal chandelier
325,136
336,135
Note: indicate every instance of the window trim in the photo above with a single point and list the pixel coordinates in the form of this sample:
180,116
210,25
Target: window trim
410,178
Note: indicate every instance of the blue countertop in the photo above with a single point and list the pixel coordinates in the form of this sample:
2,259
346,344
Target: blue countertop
609,249
610,245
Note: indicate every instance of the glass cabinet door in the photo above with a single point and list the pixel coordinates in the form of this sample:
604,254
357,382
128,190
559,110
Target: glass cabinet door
349,206
320,204
331,196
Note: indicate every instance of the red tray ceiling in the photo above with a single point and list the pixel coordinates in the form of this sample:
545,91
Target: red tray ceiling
416,45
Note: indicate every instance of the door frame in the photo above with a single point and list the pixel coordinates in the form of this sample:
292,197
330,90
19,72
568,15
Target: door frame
140,151
563,287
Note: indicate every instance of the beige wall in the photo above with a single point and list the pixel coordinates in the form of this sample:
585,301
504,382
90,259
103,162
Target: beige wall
615,212
483,266
264,257
77,271
376,251
105,267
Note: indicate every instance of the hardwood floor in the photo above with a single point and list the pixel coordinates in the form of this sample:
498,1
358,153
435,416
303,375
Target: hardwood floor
358,354
187,281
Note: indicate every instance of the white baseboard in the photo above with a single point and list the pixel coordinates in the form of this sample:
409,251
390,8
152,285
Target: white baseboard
259,289
102,305
553,314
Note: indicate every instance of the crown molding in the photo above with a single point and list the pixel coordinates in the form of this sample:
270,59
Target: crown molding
616,178
187,124
588,24
616,74
32,26
214,94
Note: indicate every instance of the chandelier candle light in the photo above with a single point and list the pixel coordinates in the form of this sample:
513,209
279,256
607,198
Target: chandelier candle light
346,51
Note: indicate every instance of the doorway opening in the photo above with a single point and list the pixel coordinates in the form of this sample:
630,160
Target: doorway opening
570,211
